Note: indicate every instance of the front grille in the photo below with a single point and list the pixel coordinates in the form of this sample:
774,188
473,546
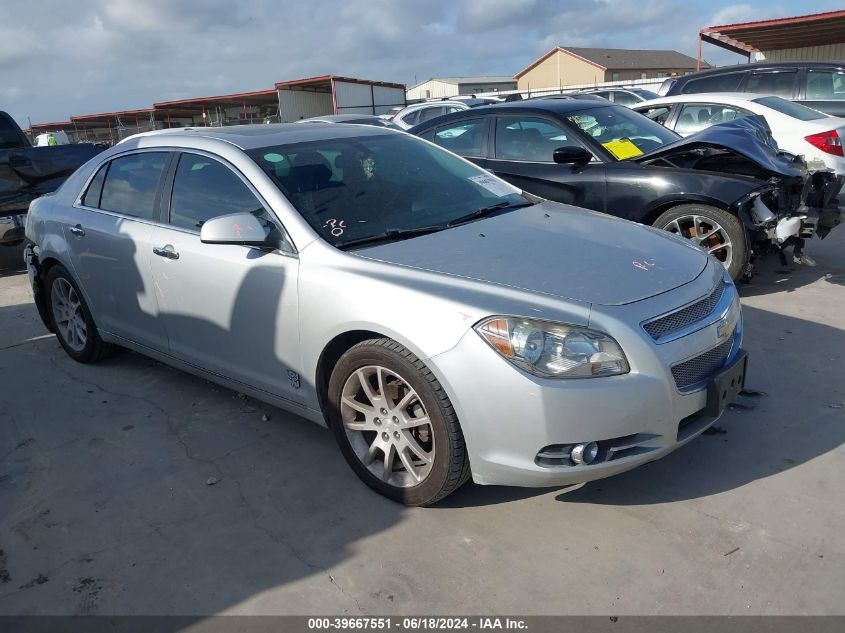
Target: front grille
704,365
678,320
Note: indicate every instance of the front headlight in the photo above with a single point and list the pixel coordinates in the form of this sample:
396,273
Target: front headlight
553,350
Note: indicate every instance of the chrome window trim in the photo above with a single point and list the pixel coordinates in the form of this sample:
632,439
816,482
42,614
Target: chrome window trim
180,150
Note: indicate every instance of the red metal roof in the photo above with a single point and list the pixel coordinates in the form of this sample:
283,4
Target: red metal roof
257,96
816,29
323,80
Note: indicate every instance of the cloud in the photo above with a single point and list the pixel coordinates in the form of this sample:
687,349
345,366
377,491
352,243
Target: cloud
106,55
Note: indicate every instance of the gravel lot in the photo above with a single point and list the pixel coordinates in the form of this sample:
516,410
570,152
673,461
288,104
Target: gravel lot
106,507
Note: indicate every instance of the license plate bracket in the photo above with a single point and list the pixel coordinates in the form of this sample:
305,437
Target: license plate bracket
725,386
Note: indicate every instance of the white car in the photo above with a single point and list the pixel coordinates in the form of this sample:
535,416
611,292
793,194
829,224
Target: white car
419,112
796,128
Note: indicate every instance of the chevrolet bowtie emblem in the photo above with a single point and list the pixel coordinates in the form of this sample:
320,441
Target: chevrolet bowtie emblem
723,329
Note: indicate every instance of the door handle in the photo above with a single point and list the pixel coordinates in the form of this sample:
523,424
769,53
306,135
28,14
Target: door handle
77,230
166,251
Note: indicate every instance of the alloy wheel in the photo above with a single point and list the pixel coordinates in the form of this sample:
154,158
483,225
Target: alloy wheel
707,234
68,314
387,426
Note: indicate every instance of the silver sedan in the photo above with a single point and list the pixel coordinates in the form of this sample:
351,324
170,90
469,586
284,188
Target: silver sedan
443,324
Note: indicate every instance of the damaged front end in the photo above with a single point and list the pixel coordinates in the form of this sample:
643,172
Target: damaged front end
790,210
792,206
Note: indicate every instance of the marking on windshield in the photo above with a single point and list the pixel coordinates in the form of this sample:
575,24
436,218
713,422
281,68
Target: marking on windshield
335,227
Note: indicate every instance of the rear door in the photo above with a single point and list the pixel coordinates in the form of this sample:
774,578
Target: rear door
522,153
110,249
229,309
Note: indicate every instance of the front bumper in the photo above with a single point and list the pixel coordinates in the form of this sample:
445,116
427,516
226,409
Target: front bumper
518,426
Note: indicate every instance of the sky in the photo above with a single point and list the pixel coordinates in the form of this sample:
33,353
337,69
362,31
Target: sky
60,58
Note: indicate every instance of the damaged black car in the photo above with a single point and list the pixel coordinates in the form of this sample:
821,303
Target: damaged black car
27,172
729,188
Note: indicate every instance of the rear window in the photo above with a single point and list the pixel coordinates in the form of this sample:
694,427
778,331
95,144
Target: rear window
131,184
795,110
729,82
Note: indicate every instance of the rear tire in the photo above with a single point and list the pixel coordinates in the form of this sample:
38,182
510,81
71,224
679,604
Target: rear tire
71,318
714,230
395,424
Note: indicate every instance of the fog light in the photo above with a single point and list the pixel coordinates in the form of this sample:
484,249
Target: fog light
584,453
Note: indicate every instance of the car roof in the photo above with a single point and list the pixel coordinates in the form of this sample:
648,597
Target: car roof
726,97
248,137
341,117
527,106
758,66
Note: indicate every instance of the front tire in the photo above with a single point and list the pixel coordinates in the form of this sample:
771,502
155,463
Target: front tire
716,231
395,424
71,318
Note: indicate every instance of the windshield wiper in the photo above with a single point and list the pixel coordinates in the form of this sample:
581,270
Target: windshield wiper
480,213
393,234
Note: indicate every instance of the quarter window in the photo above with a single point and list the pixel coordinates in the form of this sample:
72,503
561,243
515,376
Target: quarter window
203,189
696,117
522,138
465,138
656,113
431,113
95,189
131,182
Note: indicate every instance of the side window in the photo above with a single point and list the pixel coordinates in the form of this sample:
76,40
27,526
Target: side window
695,117
95,189
203,189
603,94
779,84
411,118
624,98
729,82
465,138
657,113
825,85
529,139
131,183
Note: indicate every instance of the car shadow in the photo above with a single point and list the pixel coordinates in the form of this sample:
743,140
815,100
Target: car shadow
752,443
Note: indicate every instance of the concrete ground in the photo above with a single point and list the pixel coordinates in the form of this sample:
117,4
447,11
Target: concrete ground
105,506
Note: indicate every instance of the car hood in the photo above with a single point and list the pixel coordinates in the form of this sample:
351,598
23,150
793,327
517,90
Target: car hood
748,137
556,250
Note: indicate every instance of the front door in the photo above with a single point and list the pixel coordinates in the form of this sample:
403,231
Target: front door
231,310
523,149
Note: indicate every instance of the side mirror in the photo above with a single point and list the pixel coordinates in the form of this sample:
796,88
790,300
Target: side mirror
243,229
576,156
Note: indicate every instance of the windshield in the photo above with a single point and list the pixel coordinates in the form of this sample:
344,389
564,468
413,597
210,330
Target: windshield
795,110
349,189
623,132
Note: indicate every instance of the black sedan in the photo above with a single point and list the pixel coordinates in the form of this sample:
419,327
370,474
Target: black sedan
731,191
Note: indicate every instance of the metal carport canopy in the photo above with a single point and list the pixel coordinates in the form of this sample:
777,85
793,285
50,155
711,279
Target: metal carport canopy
745,38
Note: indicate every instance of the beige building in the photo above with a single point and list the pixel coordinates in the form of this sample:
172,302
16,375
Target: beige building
572,66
